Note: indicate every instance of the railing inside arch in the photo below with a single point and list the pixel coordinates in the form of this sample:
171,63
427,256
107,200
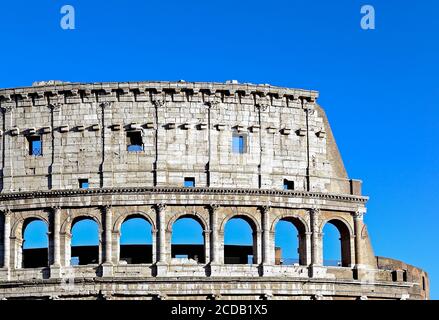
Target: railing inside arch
37,152
332,263
289,261
292,262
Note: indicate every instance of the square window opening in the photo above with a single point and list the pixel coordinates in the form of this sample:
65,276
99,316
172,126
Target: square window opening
288,184
35,146
189,182
239,143
83,183
134,141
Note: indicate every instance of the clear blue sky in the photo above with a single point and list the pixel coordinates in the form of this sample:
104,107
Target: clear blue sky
379,87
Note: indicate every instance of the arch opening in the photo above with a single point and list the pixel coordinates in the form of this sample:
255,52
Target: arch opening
85,248
188,241
35,246
135,240
240,241
336,244
290,242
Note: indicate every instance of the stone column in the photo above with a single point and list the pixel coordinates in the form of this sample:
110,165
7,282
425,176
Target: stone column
358,226
16,252
161,208
107,267
257,256
67,240
317,270
154,246
108,235
272,257
214,235
55,268
352,251
56,236
7,239
206,234
115,247
307,261
316,238
266,254
162,263
220,247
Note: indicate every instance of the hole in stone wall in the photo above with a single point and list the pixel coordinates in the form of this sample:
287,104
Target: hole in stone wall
187,243
239,143
134,141
336,244
189,182
85,242
136,240
288,184
287,243
35,244
35,146
239,242
83,183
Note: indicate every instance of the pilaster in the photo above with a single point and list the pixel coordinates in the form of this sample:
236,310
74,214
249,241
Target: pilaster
55,268
5,272
162,263
107,266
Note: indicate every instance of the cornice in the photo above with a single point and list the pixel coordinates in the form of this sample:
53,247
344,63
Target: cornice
177,190
60,91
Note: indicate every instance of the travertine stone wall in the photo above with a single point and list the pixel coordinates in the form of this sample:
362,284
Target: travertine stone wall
186,130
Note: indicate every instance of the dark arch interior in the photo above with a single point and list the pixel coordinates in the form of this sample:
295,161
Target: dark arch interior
84,241
188,239
35,250
344,244
290,230
240,241
136,240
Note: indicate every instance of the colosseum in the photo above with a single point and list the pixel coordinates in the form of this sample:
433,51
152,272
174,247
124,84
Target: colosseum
162,151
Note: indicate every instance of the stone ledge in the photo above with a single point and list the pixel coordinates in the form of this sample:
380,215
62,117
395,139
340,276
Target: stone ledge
186,288
109,88
168,190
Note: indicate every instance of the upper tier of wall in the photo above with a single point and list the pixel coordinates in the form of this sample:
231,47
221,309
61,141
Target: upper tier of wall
186,131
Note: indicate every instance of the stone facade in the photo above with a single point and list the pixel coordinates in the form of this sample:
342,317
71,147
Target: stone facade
183,130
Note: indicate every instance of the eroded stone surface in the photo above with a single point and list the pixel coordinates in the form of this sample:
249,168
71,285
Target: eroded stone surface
186,131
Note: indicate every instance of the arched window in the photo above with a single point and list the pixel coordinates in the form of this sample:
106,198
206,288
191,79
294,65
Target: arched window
85,242
240,241
290,242
336,244
35,244
188,240
136,240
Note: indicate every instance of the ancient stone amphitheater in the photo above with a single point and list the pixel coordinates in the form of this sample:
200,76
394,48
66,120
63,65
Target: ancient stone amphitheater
162,151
